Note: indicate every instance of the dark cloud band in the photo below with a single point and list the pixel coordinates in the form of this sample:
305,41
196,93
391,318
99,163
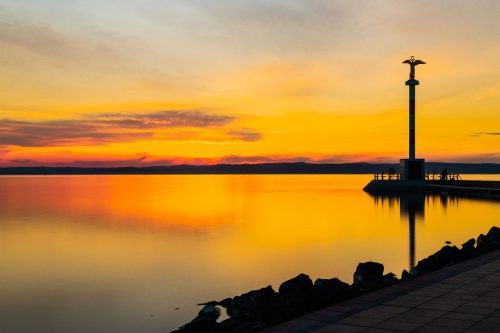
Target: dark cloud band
107,128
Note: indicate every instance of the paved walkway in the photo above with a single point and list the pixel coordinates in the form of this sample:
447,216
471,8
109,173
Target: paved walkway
459,298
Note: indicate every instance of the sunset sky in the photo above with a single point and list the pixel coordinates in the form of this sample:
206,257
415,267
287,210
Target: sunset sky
155,82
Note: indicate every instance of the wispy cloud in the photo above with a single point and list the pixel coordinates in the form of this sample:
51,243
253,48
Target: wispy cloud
165,119
245,134
487,133
107,128
61,133
340,158
139,160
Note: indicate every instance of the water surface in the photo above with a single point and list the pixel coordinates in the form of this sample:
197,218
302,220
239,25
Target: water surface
136,253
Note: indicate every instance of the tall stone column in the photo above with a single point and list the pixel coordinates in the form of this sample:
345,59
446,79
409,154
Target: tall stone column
411,85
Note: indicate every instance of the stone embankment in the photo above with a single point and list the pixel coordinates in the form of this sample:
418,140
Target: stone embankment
263,308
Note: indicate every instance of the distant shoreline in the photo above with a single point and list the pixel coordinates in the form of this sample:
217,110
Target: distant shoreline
249,169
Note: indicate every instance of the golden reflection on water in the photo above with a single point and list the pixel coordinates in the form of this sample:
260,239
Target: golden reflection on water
119,253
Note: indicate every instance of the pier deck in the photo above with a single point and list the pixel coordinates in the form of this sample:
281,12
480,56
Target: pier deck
480,185
459,298
461,187
465,187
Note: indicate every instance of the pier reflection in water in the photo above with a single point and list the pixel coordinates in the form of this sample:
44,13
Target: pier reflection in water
412,210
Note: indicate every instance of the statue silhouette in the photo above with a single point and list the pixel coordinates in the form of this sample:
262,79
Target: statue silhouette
413,62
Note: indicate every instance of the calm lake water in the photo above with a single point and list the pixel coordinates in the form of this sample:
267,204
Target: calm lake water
110,254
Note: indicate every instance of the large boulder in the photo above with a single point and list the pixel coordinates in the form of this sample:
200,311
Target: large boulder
467,251
405,275
490,241
263,306
298,296
368,276
481,244
329,291
494,234
209,311
438,260
299,288
247,305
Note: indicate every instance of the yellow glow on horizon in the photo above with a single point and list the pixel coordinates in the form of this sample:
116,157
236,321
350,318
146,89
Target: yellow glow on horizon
314,88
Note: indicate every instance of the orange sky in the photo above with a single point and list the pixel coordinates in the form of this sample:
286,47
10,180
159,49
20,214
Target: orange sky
109,83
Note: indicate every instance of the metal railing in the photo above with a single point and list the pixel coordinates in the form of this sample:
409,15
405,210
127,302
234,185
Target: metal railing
442,177
386,176
428,176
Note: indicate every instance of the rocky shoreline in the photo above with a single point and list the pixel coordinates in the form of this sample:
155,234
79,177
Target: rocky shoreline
263,308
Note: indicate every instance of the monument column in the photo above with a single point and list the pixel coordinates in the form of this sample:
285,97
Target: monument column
412,168
411,84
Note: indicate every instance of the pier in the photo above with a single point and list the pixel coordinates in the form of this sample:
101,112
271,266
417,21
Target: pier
412,175
481,188
451,184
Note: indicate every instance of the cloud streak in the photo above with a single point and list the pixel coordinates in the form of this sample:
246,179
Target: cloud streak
245,134
488,133
109,128
165,119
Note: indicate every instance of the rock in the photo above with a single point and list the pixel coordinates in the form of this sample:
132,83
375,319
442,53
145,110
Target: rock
202,325
206,321
468,251
480,243
252,327
389,279
469,244
225,303
405,275
493,237
368,276
438,260
468,247
298,297
329,291
248,305
490,241
494,234
276,313
270,314
298,288
265,306
233,325
209,311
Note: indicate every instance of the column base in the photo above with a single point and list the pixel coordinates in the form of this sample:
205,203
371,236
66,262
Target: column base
412,169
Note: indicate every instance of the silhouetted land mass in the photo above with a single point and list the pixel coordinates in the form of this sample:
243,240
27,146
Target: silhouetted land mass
263,168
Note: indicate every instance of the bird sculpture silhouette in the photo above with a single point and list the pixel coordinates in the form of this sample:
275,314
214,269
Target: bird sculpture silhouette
413,62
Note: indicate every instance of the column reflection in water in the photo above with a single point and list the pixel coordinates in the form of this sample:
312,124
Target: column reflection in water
411,208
